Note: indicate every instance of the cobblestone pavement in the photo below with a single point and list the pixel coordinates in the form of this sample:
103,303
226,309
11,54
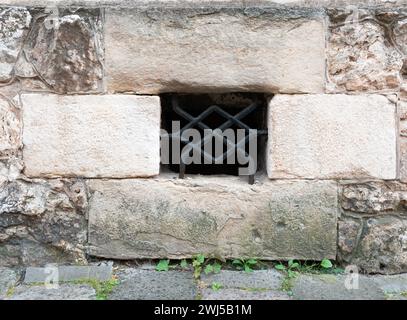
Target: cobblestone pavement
131,283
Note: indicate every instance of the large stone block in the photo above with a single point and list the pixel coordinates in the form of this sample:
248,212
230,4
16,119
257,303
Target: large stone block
64,49
42,222
366,49
402,110
222,217
331,136
91,136
182,49
381,246
14,25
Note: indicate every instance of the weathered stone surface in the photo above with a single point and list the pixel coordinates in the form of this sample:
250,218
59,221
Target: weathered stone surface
8,278
102,272
14,24
10,127
212,49
63,292
383,246
331,287
238,294
361,56
375,197
136,284
331,136
402,110
257,280
91,136
64,50
216,216
42,222
348,235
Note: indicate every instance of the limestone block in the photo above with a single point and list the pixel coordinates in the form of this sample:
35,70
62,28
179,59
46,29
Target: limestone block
214,49
91,136
331,136
223,217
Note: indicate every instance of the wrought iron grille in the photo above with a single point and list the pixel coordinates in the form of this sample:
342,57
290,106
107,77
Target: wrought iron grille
229,121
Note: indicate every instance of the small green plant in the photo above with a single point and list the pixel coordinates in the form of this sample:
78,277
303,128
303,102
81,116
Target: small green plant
184,264
326,264
197,263
10,292
215,268
216,286
163,265
245,264
404,294
103,289
292,268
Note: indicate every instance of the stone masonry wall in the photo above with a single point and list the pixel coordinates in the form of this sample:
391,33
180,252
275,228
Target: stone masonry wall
80,119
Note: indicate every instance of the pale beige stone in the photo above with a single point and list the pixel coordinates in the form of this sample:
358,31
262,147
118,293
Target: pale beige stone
402,111
360,56
220,217
331,136
192,49
91,136
10,127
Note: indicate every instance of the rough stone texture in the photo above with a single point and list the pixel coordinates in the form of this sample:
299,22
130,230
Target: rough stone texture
382,246
63,292
364,52
330,287
214,49
236,294
64,50
375,197
372,231
14,24
8,278
102,272
331,136
257,280
391,284
136,284
10,127
402,110
222,217
91,136
348,235
42,222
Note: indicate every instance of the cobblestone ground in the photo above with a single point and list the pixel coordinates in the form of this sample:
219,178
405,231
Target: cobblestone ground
139,283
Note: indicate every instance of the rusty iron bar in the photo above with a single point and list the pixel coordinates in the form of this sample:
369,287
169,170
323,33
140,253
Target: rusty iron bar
239,146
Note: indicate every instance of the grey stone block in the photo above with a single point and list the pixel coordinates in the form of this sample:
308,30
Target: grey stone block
237,294
8,278
102,272
63,292
261,279
136,284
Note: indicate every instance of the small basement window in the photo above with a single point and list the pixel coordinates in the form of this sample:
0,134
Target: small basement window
214,134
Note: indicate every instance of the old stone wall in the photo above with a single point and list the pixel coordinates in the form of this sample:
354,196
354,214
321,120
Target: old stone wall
80,119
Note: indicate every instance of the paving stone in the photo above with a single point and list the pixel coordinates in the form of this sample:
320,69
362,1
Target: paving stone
261,279
136,284
392,284
101,272
8,278
238,294
63,292
331,287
